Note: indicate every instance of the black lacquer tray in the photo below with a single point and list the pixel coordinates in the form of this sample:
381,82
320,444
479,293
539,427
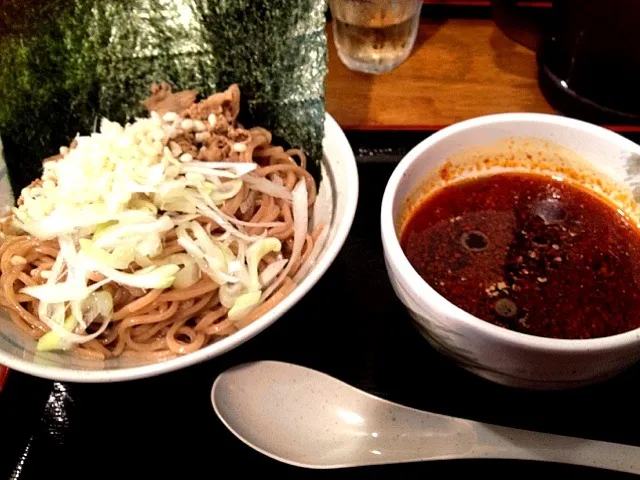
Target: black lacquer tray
165,427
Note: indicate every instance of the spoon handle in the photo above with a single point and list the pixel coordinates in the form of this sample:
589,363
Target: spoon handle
503,442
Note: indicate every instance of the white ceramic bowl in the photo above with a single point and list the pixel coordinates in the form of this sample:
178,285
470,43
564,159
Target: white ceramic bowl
335,208
495,353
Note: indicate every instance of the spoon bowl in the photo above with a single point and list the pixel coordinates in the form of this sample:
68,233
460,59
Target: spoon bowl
308,419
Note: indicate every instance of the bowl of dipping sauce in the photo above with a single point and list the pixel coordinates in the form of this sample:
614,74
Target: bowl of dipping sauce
514,242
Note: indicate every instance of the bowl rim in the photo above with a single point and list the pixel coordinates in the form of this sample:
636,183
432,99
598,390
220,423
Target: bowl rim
423,293
348,197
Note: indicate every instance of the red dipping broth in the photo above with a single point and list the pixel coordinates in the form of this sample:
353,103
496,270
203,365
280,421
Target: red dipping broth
531,253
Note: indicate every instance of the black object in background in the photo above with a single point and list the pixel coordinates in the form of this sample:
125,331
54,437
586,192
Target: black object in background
588,54
590,61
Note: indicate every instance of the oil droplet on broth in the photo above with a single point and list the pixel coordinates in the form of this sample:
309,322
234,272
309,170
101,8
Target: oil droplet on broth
539,241
551,211
474,241
506,308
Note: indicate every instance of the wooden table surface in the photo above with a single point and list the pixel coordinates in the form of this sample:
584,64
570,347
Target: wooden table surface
459,68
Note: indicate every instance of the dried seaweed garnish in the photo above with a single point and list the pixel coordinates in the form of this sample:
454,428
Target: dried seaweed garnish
59,73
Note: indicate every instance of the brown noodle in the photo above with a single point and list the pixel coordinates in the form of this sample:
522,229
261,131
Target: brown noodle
161,323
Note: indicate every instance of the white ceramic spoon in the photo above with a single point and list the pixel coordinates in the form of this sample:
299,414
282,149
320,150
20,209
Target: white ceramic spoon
306,418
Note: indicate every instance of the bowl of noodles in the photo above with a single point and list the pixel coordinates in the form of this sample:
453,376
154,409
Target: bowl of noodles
148,247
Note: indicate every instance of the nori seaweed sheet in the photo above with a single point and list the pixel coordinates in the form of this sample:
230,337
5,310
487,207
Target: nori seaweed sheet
65,63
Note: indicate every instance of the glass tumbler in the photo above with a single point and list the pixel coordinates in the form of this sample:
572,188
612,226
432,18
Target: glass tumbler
374,36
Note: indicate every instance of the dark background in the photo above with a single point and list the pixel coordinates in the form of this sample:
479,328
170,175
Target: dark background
165,427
